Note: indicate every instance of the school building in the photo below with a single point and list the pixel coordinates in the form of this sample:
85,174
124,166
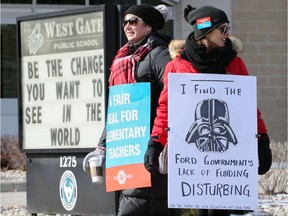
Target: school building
261,25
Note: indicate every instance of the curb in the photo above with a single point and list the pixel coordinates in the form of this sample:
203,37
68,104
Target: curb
12,186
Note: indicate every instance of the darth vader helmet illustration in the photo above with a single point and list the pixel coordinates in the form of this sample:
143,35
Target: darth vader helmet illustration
211,130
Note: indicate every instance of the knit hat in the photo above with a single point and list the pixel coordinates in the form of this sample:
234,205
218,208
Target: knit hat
155,17
204,19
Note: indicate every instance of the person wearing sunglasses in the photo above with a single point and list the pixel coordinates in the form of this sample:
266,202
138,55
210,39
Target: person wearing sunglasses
207,49
142,59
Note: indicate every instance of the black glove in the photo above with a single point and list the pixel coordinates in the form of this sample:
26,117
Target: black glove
151,157
264,154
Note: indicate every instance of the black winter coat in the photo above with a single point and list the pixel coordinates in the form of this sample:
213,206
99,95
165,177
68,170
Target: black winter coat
151,201
151,69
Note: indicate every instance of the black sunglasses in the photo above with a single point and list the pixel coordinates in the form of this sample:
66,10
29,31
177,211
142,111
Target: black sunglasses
132,21
224,29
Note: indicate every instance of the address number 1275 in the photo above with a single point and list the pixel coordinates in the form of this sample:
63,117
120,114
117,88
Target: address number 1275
68,161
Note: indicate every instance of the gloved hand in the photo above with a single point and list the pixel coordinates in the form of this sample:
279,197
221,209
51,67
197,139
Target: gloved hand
264,154
151,157
99,152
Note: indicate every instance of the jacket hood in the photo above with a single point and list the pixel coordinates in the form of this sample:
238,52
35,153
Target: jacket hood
175,47
237,44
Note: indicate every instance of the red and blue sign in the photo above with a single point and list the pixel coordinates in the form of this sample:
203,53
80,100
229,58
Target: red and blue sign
128,132
204,23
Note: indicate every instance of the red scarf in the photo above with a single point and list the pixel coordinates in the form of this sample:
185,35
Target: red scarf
124,65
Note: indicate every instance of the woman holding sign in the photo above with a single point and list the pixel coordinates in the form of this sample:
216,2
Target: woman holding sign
208,49
142,59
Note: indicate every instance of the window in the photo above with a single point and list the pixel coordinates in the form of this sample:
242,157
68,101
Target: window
8,62
112,2
16,1
61,2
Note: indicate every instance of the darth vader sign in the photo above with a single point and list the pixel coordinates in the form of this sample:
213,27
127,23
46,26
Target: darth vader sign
212,144
211,129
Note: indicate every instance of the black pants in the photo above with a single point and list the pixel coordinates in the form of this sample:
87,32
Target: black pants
213,212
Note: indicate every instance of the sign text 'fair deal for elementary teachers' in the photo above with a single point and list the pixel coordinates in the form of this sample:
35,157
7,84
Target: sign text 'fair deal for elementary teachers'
128,131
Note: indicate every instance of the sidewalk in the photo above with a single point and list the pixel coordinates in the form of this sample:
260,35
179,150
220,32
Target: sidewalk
13,198
13,193
13,188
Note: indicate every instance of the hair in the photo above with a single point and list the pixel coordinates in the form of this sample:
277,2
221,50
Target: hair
204,42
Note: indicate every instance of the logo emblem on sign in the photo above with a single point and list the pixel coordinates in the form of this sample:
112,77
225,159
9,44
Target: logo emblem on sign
121,177
35,39
68,190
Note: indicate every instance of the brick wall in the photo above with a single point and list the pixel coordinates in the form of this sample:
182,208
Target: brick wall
262,27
